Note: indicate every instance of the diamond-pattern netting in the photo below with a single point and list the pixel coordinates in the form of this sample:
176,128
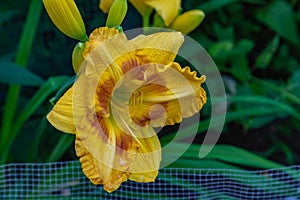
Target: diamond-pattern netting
65,180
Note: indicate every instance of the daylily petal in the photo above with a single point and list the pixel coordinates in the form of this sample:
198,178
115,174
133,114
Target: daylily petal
66,17
112,160
105,5
98,36
96,171
157,48
105,61
100,144
177,91
144,177
61,116
167,9
147,160
110,150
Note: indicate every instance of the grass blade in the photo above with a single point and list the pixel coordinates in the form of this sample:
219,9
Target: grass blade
24,49
50,86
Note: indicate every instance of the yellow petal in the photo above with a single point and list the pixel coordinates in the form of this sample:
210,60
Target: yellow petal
167,9
188,21
116,156
110,150
144,177
169,93
105,5
106,56
61,116
147,160
66,17
98,36
159,48
96,171
141,7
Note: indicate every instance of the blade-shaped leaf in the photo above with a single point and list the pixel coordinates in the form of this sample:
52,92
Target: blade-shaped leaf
12,73
281,18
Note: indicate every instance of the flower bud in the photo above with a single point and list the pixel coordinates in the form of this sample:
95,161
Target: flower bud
66,17
116,13
188,21
77,57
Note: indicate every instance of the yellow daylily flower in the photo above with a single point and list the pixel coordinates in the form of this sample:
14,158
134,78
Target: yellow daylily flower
188,21
124,88
66,17
167,9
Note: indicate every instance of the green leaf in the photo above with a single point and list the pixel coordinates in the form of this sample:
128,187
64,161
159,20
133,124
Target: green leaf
243,47
12,73
61,147
50,86
267,54
6,15
215,5
294,84
221,50
282,91
263,101
280,17
238,156
24,49
240,69
263,107
225,153
43,93
239,60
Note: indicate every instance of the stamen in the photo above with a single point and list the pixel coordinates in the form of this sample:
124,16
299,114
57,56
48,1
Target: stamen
137,98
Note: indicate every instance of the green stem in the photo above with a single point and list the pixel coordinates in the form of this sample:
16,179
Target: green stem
146,19
22,56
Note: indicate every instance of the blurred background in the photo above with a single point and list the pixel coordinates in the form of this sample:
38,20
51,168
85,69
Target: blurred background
254,43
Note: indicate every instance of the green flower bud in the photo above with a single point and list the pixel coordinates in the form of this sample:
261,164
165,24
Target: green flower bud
77,57
116,13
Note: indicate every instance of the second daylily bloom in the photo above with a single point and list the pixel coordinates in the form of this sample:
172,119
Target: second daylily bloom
167,9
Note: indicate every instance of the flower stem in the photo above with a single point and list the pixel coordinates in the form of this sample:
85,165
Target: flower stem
22,56
146,19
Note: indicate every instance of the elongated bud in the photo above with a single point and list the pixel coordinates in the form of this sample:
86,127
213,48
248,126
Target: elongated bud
188,21
77,57
116,13
66,17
